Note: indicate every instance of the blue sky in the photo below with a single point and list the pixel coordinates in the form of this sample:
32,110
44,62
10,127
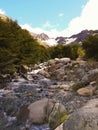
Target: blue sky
54,17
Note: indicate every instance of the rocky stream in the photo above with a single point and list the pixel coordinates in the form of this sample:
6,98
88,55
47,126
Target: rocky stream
72,84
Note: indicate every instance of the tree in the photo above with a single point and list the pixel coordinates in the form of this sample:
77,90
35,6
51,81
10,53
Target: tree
90,46
18,47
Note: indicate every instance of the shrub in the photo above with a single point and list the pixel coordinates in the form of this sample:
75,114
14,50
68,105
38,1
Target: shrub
79,85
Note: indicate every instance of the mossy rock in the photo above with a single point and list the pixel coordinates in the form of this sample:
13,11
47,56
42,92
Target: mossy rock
56,121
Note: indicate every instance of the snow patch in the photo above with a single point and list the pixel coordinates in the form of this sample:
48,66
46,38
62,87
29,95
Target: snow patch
51,42
69,40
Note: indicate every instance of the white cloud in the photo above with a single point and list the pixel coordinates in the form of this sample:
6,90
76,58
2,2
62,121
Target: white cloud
2,11
88,19
29,28
51,33
61,14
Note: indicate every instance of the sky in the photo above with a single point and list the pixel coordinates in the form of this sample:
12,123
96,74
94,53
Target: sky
53,17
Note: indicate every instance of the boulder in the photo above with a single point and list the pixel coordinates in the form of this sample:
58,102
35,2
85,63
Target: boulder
85,118
46,111
86,91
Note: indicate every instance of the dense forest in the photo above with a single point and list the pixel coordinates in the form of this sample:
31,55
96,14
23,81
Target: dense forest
18,47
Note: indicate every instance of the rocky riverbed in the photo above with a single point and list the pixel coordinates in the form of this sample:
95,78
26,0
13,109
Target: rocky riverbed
72,83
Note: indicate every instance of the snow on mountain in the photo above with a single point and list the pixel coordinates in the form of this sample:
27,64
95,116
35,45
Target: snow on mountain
51,42
79,37
70,40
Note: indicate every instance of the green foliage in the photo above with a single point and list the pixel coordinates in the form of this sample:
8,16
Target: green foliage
73,51
57,51
79,85
81,51
90,46
18,47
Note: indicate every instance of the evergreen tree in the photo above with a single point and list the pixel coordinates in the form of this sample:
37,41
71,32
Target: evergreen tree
90,46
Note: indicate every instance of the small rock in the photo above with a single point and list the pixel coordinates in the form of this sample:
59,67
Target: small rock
86,91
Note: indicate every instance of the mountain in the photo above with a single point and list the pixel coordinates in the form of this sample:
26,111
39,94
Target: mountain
44,39
79,37
61,40
42,36
84,34
65,40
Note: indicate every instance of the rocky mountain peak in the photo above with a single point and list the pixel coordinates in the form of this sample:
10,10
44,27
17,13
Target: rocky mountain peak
84,34
42,36
79,37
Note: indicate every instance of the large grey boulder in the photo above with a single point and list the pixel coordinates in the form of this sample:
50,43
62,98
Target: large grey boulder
45,111
85,118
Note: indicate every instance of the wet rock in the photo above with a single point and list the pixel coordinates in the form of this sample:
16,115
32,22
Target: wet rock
3,121
45,82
